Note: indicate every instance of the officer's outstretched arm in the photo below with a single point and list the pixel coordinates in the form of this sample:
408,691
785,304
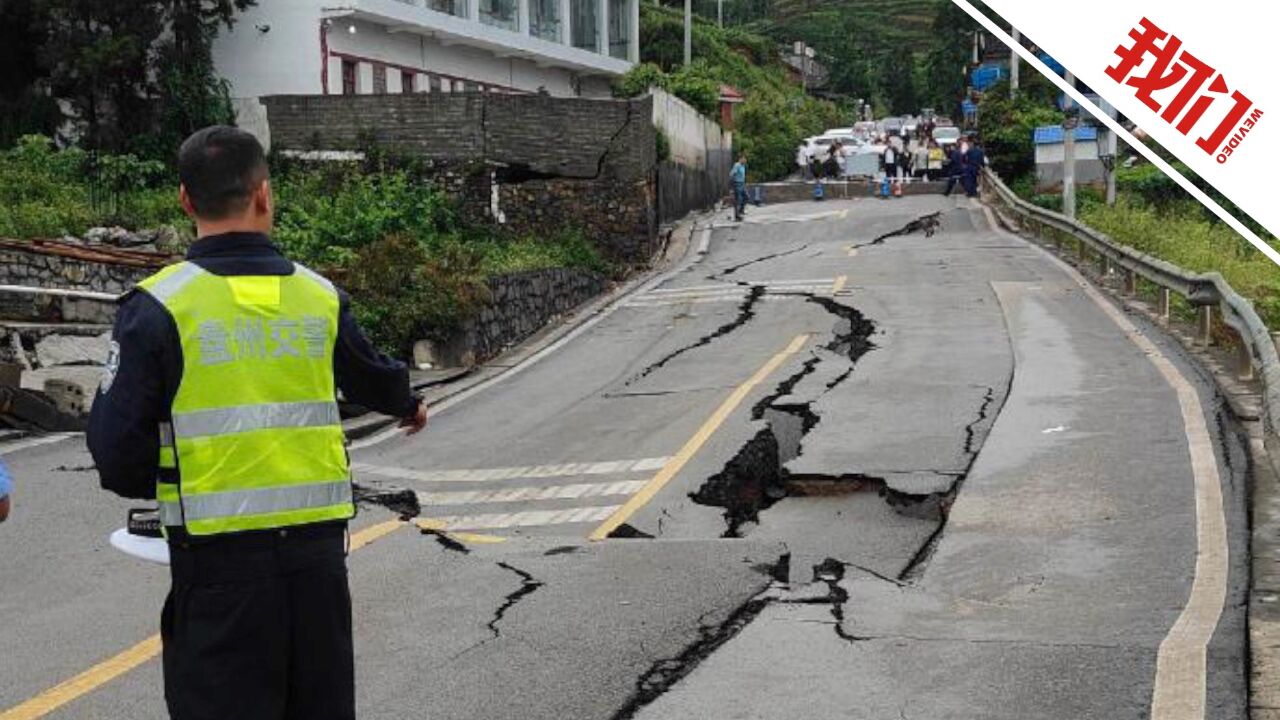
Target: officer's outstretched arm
368,377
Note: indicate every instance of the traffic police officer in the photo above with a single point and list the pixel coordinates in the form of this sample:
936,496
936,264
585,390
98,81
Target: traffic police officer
219,402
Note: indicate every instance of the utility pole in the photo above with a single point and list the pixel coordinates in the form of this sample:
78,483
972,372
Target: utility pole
1013,63
1069,125
720,13
1108,153
688,33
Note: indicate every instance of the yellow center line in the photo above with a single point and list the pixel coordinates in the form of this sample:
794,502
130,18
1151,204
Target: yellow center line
436,526
695,443
839,284
113,667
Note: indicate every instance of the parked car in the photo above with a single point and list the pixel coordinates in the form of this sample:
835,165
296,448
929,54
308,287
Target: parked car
893,126
946,136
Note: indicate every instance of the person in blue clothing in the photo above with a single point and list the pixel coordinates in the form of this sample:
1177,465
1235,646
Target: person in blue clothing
975,160
738,178
956,160
6,489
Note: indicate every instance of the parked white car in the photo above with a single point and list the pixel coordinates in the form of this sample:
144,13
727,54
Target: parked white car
946,136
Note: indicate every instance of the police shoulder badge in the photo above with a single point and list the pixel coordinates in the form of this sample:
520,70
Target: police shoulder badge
111,368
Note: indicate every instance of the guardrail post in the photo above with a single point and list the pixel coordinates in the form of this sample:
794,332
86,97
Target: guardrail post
1082,251
1130,282
1106,267
1166,304
1206,325
1246,361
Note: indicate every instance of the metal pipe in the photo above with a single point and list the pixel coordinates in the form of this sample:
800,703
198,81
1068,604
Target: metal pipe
59,292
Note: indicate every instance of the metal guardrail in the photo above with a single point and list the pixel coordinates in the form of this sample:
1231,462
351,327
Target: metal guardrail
1204,291
59,292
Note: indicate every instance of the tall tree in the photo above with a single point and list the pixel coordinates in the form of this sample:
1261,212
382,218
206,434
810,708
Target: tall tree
945,63
24,106
124,64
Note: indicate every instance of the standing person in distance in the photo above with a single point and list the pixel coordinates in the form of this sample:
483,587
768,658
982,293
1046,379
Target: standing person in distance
975,160
738,179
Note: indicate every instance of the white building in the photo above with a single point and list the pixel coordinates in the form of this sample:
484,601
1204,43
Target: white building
312,47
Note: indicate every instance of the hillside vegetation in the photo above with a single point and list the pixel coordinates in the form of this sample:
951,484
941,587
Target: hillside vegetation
777,112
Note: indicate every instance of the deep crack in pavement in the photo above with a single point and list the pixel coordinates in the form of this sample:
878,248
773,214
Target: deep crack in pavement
755,478
928,224
735,268
402,502
746,311
666,672
528,586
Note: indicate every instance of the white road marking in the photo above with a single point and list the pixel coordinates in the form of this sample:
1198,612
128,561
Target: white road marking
786,290
532,494
610,467
528,518
704,301
697,289
19,445
1179,691
774,220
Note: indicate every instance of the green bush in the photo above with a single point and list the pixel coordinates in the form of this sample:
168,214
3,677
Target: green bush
1193,243
46,192
776,115
326,212
1008,128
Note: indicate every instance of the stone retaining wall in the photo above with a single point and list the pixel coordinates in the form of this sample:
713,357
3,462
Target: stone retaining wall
524,303
35,269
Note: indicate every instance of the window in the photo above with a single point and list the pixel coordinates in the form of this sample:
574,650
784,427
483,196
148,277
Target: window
348,77
379,79
408,81
499,13
544,19
433,82
452,7
585,22
619,28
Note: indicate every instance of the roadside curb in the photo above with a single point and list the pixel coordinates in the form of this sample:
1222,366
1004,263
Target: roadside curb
694,233
1244,402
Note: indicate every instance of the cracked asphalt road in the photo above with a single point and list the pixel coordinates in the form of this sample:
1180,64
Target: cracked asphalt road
964,494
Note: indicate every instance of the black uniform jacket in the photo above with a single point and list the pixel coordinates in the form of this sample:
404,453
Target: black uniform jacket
146,365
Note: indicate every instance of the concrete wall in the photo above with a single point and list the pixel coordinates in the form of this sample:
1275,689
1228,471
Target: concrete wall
564,137
285,59
692,137
697,173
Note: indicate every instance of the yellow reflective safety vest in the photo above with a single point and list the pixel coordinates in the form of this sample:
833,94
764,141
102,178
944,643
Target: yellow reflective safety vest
256,439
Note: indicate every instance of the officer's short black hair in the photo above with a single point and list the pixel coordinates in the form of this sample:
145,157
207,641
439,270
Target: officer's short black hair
221,167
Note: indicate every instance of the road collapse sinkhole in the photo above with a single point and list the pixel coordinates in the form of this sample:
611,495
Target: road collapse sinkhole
755,478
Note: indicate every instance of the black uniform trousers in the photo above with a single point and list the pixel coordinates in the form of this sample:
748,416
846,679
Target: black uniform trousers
257,626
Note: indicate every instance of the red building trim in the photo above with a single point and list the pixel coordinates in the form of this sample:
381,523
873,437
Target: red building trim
409,68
